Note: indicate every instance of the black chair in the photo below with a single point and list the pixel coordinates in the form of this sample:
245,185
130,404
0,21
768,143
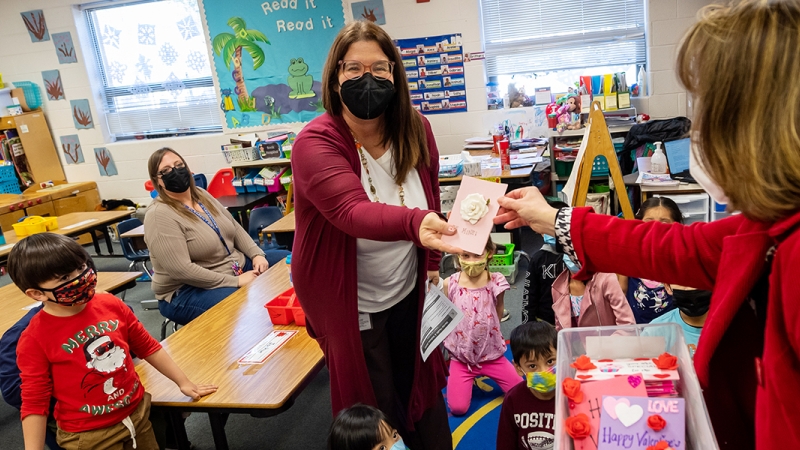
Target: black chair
261,218
200,180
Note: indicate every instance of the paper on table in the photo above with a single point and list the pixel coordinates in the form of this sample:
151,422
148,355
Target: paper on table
267,347
7,246
439,318
76,225
469,237
643,164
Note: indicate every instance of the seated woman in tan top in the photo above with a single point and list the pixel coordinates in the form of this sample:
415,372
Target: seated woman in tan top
200,255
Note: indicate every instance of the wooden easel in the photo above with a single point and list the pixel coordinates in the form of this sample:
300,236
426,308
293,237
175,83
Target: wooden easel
600,145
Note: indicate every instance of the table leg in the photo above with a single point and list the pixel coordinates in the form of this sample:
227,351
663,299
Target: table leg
107,237
244,219
179,429
96,243
218,421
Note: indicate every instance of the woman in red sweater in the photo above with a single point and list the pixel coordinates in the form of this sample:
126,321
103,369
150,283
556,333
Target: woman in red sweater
748,359
366,201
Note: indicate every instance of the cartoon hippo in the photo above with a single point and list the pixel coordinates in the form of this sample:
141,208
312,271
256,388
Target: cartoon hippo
300,83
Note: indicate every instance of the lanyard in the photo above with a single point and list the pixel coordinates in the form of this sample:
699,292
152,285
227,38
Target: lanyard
212,223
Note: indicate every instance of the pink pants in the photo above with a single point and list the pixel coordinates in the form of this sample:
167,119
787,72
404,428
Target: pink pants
459,384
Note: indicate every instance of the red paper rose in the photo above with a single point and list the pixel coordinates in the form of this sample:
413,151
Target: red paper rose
660,445
578,427
665,361
572,389
583,363
656,422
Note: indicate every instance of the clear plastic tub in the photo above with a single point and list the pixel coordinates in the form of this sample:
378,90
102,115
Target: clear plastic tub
634,341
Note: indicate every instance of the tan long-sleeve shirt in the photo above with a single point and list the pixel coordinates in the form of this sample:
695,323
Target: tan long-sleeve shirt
188,252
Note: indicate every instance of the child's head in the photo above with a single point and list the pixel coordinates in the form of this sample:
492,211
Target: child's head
533,346
472,264
660,209
48,266
362,427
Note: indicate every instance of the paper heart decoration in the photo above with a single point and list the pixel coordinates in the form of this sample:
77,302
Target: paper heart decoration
634,380
610,405
628,415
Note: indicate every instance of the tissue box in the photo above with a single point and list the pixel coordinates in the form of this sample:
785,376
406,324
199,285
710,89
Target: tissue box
472,168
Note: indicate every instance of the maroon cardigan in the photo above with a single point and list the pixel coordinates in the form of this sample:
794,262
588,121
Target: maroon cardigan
727,257
331,211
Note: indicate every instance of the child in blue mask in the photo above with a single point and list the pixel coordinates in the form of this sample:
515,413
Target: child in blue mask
527,419
362,427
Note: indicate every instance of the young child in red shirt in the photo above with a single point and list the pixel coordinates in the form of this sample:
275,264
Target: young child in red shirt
527,419
78,350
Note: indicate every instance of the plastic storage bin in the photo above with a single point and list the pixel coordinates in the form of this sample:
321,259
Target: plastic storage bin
280,312
504,255
600,166
241,154
33,95
30,225
509,271
694,207
633,341
450,166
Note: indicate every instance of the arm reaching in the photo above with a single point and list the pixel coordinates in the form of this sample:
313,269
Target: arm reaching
164,364
34,428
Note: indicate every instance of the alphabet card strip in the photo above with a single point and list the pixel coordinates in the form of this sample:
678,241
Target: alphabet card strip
472,214
591,402
635,423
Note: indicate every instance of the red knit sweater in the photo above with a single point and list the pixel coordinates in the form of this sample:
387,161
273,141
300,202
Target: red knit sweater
331,212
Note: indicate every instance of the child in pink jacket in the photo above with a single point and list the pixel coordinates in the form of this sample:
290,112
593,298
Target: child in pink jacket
597,302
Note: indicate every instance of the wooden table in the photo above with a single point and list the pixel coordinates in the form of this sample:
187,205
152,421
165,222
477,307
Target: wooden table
74,224
134,233
16,304
283,229
239,204
208,348
649,191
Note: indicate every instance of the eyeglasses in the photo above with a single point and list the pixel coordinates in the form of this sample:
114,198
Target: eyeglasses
354,70
168,170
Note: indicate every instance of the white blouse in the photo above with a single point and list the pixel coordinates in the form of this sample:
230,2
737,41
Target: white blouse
387,271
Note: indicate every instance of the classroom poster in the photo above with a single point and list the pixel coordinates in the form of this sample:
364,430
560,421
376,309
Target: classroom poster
36,25
268,57
371,10
435,71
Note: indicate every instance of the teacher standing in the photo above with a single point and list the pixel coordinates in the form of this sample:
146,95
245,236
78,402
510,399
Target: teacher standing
748,356
366,196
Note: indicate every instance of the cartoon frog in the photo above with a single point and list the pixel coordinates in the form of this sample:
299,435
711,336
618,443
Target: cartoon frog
300,83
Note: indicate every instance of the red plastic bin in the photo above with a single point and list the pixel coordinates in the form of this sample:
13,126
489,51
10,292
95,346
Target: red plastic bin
280,311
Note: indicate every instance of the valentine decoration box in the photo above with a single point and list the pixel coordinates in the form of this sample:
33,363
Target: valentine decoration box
623,344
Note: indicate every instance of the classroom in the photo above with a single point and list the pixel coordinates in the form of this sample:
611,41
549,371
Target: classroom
399,224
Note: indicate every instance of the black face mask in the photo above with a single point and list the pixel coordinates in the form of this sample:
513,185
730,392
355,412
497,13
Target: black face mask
367,97
692,303
178,180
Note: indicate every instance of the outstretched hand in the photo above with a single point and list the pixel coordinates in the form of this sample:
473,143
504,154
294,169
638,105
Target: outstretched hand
196,391
431,231
526,207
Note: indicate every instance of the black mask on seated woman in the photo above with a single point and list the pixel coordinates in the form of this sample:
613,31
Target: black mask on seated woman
177,180
367,97
692,303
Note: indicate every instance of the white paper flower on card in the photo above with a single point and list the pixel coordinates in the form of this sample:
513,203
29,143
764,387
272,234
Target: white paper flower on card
474,207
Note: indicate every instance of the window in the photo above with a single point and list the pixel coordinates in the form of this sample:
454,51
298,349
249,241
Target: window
555,41
153,62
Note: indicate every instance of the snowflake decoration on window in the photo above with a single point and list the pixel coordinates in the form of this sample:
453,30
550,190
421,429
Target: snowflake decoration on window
140,89
147,34
111,36
196,61
173,85
188,28
116,71
144,66
168,54
190,5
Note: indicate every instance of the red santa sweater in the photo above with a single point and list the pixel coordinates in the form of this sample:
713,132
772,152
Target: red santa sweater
84,361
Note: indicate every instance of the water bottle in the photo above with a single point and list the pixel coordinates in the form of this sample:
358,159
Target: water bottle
289,266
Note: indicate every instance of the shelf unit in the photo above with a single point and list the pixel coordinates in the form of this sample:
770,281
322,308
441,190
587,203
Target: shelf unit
240,168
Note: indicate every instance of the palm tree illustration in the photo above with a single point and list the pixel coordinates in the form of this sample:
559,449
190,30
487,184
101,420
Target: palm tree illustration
230,46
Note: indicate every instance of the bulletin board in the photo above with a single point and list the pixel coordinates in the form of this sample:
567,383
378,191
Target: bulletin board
435,71
268,57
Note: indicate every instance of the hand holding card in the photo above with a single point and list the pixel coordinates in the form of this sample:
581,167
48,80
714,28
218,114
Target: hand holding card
473,211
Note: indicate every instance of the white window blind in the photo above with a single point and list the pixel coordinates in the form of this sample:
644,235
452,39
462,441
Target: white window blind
528,36
154,66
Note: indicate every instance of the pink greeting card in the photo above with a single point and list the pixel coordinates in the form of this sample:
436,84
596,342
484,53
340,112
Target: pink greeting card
609,368
635,423
592,403
473,210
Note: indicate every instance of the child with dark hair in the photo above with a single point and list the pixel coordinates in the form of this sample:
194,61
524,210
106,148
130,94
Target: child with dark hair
362,427
77,349
527,419
545,266
650,299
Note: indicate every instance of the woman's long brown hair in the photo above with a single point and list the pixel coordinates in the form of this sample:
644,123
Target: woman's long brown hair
404,129
198,195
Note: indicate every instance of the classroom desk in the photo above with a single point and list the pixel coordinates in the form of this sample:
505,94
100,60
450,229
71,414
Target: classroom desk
238,205
136,236
649,191
283,229
74,224
512,176
208,348
16,304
